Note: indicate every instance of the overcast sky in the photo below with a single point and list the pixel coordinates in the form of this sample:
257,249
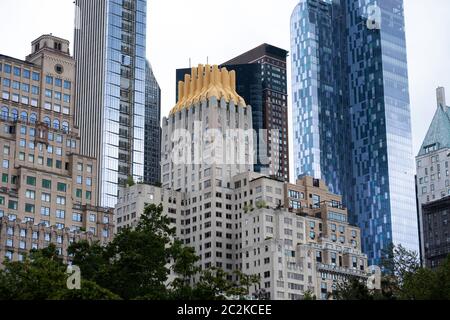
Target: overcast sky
221,29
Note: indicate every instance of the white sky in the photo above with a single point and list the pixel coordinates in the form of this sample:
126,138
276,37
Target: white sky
221,29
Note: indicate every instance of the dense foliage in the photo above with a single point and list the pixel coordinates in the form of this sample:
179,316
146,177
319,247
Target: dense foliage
135,265
403,279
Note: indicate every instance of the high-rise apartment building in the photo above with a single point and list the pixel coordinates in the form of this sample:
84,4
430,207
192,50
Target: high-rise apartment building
433,186
296,237
110,51
152,147
47,192
261,79
351,112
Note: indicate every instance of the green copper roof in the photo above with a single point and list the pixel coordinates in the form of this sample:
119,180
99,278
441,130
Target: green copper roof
439,132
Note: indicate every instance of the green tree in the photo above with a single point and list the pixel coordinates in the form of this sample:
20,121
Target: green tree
134,264
213,285
42,276
184,266
352,288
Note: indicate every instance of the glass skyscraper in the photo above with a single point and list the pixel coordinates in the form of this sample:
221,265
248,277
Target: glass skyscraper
351,110
152,156
110,50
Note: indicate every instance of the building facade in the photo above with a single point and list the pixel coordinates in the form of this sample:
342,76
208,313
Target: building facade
436,231
261,79
296,237
352,125
433,185
152,154
110,51
47,192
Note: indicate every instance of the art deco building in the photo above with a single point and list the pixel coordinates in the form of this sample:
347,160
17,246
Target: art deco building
47,192
110,51
204,145
261,79
433,186
351,113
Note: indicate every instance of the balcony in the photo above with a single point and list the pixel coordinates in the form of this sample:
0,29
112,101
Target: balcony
341,270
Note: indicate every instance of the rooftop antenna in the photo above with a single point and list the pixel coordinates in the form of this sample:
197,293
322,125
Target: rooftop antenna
190,63
207,60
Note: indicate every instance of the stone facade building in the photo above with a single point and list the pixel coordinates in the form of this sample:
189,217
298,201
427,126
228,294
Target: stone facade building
47,192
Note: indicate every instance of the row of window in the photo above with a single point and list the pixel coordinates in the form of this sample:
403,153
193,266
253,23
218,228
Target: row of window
57,82
19,72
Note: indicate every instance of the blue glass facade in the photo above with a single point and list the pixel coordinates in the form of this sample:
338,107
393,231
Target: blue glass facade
352,123
122,153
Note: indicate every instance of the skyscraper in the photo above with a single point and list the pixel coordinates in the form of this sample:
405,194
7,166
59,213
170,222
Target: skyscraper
110,89
152,153
261,79
351,110
272,114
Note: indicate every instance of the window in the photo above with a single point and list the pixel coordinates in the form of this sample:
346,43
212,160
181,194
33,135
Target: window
46,197
77,217
60,214
5,178
48,93
58,82
29,208
88,195
67,85
5,164
79,193
47,184
36,76
49,80
31,181
79,179
92,217
30,194
7,68
17,71
62,187
45,211
12,205
67,98
26,74
60,200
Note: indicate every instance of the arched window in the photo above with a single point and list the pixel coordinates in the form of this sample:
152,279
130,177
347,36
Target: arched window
56,124
65,126
47,121
14,114
24,116
5,113
33,118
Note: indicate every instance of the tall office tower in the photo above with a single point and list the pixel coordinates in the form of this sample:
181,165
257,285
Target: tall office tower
433,186
152,154
261,79
47,191
110,89
351,112
204,145
272,114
